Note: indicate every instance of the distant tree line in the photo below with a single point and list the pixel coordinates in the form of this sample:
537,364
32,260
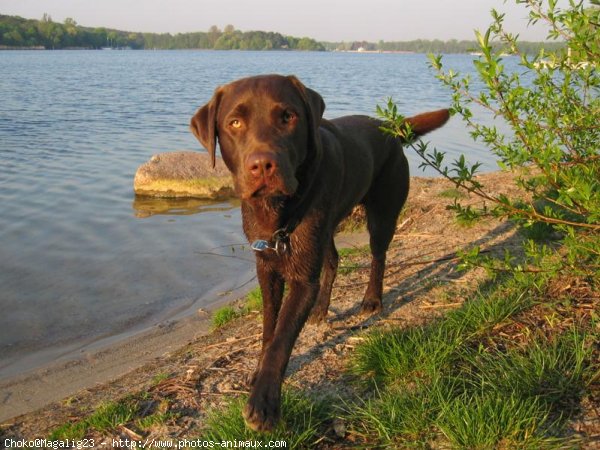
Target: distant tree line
16,32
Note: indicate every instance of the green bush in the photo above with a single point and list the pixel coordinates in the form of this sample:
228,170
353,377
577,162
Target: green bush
552,107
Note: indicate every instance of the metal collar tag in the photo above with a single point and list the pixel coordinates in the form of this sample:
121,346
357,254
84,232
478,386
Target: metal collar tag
280,242
260,245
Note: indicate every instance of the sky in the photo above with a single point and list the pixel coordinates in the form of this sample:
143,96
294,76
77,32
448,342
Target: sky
323,20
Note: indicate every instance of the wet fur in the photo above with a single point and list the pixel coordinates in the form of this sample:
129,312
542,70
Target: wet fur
331,166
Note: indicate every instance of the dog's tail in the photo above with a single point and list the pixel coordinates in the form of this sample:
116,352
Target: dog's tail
424,123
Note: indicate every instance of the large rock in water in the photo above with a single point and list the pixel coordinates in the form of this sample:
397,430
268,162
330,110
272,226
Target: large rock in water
183,174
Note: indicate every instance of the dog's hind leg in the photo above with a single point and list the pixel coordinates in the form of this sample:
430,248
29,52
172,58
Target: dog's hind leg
330,265
381,235
383,204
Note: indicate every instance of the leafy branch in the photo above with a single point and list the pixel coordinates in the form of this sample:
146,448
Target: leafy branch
552,106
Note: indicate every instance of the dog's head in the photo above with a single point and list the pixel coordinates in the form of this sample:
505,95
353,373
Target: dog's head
267,129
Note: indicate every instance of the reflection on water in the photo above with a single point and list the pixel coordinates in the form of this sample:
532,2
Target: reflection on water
145,206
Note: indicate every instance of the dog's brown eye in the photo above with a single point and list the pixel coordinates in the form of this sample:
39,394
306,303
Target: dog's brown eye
288,116
235,123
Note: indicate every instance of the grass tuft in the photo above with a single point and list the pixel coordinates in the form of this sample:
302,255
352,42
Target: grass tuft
396,354
402,354
492,420
107,416
226,314
111,415
300,425
392,417
254,301
73,431
554,372
223,316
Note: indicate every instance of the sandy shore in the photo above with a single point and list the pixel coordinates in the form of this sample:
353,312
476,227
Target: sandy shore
107,359
28,392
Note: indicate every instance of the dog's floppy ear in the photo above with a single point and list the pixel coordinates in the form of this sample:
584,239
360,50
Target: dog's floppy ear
426,122
312,98
315,106
204,124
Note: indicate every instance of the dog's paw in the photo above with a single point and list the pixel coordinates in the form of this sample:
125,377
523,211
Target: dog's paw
261,413
371,306
317,317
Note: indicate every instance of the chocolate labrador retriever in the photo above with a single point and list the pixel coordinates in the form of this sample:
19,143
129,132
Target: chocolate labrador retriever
298,176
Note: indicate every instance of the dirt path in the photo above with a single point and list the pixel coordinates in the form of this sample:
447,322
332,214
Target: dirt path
421,282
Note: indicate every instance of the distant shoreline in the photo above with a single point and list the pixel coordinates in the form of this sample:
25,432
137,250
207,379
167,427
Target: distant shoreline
24,34
7,48
37,47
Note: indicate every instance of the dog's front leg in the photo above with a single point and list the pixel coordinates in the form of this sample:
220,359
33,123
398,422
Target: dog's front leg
271,286
262,410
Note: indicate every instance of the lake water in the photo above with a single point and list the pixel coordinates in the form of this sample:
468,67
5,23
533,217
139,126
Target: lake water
80,258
